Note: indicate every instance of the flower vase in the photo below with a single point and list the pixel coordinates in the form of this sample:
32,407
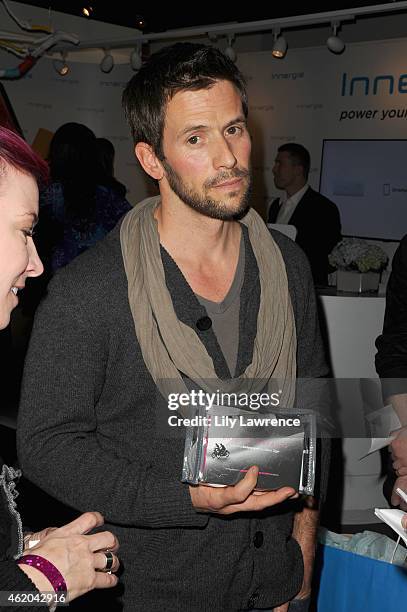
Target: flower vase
357,282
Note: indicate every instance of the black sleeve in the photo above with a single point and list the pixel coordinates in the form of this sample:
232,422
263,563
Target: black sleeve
318,235
13,579
391,358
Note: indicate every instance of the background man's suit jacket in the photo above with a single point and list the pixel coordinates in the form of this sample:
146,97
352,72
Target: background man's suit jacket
319,229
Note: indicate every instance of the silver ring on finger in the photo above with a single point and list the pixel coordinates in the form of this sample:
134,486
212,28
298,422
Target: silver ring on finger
109,562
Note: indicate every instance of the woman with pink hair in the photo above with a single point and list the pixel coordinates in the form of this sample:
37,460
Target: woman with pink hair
57,562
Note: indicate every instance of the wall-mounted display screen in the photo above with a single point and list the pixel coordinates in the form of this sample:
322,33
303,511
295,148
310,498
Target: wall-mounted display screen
367,180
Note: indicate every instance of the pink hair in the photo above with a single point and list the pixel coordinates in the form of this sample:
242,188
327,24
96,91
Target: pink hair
17,153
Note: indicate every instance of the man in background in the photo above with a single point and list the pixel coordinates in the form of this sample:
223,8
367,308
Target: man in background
316,218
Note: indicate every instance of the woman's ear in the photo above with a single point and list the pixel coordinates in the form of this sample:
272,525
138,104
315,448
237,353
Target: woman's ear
149,161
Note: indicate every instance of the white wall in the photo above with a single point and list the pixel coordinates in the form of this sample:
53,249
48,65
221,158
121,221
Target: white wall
298,98
44,99
301,99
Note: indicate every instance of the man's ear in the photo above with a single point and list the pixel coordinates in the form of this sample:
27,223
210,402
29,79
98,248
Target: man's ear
149,160
300,170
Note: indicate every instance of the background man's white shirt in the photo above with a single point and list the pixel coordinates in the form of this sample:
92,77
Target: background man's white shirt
289,204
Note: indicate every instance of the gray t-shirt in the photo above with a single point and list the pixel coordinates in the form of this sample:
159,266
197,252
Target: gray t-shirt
225,314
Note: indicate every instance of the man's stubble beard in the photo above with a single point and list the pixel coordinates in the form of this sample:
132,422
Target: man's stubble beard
204,204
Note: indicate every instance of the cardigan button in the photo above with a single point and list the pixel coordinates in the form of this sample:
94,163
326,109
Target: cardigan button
204,323
258,539
252,601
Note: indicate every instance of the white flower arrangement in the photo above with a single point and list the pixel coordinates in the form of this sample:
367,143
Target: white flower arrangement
359,255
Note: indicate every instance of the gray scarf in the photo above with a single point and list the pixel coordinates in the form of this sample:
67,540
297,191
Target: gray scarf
171,348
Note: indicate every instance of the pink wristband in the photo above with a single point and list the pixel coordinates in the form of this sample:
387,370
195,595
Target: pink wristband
47,568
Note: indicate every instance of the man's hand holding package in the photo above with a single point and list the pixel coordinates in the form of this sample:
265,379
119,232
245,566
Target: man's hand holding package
238,498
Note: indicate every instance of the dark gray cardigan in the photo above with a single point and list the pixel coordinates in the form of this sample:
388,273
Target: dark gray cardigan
88,436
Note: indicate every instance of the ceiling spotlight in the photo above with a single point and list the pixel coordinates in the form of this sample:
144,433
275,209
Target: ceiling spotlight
229,51
87,11
140,22
334,43
135,58
107,63
60,65
280,45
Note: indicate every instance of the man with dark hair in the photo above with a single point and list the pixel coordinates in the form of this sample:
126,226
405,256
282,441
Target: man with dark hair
190,289
316,218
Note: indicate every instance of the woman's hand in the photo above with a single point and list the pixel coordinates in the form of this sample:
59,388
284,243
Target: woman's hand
76,555
31,539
